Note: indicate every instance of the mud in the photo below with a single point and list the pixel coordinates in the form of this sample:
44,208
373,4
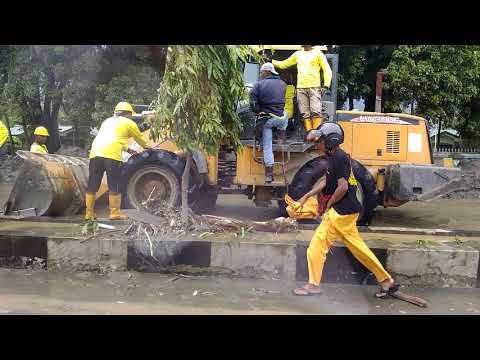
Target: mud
41,292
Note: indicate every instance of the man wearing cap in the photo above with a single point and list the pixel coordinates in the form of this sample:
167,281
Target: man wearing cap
106,156
310,87
268,97
41,137
340,216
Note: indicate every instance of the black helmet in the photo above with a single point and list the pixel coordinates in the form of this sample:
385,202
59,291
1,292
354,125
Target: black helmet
331,132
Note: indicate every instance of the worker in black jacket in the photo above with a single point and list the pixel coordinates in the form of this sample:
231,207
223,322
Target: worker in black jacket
268,98
340,217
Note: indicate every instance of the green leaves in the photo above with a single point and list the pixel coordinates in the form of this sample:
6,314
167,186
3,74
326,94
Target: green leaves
198,95
441,79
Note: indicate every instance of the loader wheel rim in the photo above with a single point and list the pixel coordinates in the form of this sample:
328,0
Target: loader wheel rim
154,183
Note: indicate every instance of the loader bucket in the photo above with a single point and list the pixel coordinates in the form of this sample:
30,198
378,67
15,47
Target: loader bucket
54,185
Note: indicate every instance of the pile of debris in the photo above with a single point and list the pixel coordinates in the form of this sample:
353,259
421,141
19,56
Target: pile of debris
72,151
23,262
9,168
168,220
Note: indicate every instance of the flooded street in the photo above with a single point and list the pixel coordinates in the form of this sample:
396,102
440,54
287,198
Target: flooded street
41,292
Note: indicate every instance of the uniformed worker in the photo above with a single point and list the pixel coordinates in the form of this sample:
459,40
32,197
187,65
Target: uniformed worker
41,136
340,217
310,87
106,156
3,139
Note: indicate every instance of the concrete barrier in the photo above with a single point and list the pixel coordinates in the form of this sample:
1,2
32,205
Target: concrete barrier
444,261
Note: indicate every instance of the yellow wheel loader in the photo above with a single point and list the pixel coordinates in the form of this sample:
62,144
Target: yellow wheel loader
391,159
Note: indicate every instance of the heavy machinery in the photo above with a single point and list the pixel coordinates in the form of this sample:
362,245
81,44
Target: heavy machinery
391,154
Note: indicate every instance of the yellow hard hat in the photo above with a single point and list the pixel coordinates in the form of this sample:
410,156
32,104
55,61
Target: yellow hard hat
124,106
41,131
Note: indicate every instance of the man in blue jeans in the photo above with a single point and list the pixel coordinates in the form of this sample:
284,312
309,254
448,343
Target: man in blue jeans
267,97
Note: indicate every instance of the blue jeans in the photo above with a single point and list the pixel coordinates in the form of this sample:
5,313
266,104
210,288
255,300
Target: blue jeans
278,122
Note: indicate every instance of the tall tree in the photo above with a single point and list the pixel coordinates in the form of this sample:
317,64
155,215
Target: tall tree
197,100
440,80
37,79
358,67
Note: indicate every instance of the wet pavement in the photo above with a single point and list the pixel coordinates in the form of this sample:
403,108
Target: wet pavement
42,292
441,213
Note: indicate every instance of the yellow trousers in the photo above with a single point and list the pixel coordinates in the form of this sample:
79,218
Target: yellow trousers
340,227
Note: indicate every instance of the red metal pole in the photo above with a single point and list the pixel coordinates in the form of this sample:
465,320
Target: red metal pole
378,91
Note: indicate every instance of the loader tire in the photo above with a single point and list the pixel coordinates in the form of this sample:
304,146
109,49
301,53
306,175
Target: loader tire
156,170
304,180
309,174
367,193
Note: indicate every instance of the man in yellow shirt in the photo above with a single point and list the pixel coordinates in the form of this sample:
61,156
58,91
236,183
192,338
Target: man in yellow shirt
106,156
310,89
3,139
41,137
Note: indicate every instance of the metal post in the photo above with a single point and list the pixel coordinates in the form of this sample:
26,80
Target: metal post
378,91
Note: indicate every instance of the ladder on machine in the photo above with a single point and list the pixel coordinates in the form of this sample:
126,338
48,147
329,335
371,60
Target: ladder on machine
285,150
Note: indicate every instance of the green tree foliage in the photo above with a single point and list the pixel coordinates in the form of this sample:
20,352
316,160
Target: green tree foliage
78,85
197,100
358,67
441,80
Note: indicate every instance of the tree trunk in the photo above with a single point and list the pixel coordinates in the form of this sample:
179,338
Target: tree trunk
350,103
51,124
185,187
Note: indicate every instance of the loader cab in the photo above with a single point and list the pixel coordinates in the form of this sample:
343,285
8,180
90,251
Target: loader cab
251,74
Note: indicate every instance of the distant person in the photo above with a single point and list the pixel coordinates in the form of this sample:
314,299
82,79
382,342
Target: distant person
41,136
3,139
310,87
106,156
268,97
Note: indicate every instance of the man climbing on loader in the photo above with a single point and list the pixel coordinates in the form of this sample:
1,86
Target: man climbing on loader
341,210
41,136
267,98
310,87
106,156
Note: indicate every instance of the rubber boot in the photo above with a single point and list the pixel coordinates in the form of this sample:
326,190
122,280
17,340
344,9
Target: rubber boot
90,207
281,137
316,122
307,124
114,201
268,174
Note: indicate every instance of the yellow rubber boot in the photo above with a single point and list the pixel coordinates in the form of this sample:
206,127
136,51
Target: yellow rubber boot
90,206
307,124
316,122
114,201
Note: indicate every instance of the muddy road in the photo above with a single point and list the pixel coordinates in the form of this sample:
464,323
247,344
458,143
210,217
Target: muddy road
41,292
441,213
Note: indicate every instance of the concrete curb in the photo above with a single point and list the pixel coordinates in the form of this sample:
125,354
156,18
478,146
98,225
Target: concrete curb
443,265
417,260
